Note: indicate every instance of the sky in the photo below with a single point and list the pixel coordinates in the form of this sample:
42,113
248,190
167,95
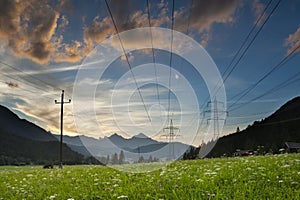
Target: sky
44,45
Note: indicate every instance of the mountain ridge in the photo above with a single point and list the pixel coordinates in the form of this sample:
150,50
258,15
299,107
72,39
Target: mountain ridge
12,124
270,133
23,142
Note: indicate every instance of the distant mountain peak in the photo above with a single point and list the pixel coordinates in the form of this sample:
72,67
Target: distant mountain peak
141,135
115,135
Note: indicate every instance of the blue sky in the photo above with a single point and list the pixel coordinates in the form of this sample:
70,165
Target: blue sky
43,44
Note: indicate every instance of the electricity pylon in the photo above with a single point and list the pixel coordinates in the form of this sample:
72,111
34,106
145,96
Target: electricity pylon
171,135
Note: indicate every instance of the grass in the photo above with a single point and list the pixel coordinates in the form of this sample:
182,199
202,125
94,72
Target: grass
261,177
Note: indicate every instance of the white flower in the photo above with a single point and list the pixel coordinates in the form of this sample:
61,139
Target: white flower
71,198
52,196
122,197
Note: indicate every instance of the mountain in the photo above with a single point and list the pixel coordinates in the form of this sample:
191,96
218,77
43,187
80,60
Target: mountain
131,143
22,142
141,135
270,133
12,124
133,148
16,150
75,144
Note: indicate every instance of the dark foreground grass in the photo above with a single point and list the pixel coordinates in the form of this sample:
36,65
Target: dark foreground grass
266,177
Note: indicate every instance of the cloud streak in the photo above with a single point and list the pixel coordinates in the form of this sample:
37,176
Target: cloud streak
293,41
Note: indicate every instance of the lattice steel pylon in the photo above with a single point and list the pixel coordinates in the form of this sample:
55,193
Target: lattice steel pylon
171,135
215,116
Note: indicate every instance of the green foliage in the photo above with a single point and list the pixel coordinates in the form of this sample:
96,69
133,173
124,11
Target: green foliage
271,133
261,177
191,154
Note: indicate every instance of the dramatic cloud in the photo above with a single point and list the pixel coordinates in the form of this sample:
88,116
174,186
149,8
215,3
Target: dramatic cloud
98,31
204,14
28,27
64,22
293,41
64,6
33,29
70,52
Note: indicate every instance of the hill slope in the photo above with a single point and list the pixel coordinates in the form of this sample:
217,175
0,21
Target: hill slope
22,142
271,133
12,124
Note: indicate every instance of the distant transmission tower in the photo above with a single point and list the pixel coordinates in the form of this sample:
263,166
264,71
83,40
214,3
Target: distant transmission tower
215,115
171,135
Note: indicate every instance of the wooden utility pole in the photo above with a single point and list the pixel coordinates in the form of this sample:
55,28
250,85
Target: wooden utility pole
62,102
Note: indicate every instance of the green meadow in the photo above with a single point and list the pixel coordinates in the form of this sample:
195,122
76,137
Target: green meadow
257,177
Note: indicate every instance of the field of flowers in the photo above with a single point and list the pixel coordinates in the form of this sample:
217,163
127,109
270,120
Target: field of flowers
261,177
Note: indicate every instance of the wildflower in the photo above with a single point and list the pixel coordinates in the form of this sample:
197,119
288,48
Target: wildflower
280,181
122,197
71,198
211,195
53,196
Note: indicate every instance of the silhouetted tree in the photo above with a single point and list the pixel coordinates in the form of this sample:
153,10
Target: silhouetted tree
107,160
141,159
114,159
121,157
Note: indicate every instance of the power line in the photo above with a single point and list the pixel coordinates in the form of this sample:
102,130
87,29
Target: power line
31,83
170,63
279,86
252,40
20,80
250,115
187,32
123,49
269,123
217,87
240,49
276,67
153,56
27,74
